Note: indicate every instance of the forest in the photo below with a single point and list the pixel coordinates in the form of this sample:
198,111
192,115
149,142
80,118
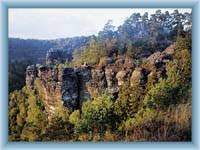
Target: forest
139,84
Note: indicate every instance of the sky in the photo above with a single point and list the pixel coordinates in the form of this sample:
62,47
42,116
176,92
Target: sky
51,23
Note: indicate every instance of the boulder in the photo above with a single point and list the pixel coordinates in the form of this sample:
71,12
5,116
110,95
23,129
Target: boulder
129,63
122,77
169,50
139,77
111,80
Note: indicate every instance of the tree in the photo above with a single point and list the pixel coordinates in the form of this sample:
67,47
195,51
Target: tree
93,53
17,114
183,43
177,22
131,50
129,101
144,25
96,116
108,31
58,130
173,89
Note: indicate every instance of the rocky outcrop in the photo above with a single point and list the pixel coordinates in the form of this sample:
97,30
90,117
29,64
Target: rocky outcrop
111,76
97,83
67,84
31,73
122,77
69,87
169,50
159,59
139,77
111,80
72,86
83,77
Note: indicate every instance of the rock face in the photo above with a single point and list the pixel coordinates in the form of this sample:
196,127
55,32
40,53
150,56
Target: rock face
69,87
158,59
139,77
72,86
121,77
66,84
97,83
31,73
83,77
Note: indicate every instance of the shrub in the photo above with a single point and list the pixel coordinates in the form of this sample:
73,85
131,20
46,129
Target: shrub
57,130
129,101
97,115
174,124
173,89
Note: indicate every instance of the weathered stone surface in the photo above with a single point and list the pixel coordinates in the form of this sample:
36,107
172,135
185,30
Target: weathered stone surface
97,83
154,60
31,73
83,77
68,85
169,50
158,59
120,61
71,86
111,80
110,60
129,63
138,77
122,77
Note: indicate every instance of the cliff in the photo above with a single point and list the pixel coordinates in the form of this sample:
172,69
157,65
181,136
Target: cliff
71,86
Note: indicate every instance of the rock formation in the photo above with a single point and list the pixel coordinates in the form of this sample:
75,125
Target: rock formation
71,86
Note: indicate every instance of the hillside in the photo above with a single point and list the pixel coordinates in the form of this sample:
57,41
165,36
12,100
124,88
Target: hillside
129,84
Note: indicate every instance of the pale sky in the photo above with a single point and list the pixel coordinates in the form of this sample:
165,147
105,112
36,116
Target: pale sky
61,23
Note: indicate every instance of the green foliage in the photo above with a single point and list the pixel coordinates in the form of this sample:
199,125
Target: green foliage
152,79
131,50
62,111
103,61
174,88
129,101
76,56
97,115
174,124
57,130
142,116
16,74
31,132
183,65
65,65
161,95
183,43
93,53
74,118
17,114
159,109
26,116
